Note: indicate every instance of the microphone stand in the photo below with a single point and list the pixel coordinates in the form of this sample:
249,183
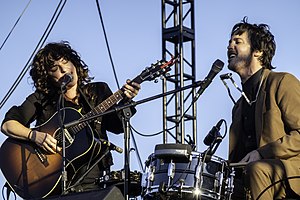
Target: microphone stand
210,151
125,116
126,112
61,124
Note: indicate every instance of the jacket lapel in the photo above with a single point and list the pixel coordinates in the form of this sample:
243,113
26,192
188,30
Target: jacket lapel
260,107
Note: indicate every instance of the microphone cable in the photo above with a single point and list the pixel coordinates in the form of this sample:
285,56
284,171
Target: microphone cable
227,76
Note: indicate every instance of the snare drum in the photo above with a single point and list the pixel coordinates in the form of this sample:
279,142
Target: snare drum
186,180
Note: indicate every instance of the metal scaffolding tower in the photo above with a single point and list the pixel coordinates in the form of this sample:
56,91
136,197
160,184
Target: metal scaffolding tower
178,40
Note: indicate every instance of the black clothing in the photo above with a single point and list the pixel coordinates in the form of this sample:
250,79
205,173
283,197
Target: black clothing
250,88
38,107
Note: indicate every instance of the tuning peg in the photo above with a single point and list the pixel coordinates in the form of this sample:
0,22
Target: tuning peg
161,77
158,73
167,74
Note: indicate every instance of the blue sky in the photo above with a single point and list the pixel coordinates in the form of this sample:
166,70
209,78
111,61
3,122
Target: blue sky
134,34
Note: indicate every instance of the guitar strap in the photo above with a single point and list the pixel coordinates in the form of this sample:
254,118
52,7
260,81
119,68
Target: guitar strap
85,99
97,125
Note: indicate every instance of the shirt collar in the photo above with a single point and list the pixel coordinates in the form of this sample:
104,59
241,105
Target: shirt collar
250,87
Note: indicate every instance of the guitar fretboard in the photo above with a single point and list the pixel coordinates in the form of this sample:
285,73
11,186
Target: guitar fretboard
101,108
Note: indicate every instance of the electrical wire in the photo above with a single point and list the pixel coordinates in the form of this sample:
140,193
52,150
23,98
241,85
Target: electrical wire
146,135
137,152
40,44
228,91
107,45
10,32
276,182
169,129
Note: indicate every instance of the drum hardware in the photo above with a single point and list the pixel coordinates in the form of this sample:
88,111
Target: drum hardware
162,188
202,167
218,183
197,173
179,179
171,172
230,184
148,176
180,188
219,179
151,174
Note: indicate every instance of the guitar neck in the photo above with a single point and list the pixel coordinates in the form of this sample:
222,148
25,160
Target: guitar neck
106,104
103,106
110,101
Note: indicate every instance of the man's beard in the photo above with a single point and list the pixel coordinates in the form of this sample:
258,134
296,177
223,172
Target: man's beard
239,62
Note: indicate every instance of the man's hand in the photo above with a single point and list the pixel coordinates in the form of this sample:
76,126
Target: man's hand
252,156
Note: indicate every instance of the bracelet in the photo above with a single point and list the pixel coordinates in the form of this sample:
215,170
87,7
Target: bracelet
33,138
29,134
32,135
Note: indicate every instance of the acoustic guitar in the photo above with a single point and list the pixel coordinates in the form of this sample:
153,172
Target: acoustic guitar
33,173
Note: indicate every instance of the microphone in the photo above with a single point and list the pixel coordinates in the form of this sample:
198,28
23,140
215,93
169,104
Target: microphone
65,80
226,76
110,145
213,134
215,69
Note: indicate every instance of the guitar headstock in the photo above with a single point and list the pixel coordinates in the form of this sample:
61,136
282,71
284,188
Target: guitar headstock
155,70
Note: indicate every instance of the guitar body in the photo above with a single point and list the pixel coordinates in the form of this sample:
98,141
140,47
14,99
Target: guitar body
32,172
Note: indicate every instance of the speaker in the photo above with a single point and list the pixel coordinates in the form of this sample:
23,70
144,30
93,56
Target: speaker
111,193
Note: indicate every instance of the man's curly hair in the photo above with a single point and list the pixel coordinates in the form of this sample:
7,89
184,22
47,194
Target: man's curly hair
44,61
261,39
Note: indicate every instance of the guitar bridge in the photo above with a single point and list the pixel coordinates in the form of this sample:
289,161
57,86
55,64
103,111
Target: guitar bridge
68,136
42,157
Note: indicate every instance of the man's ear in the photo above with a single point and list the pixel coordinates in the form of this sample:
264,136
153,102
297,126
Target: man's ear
257,53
